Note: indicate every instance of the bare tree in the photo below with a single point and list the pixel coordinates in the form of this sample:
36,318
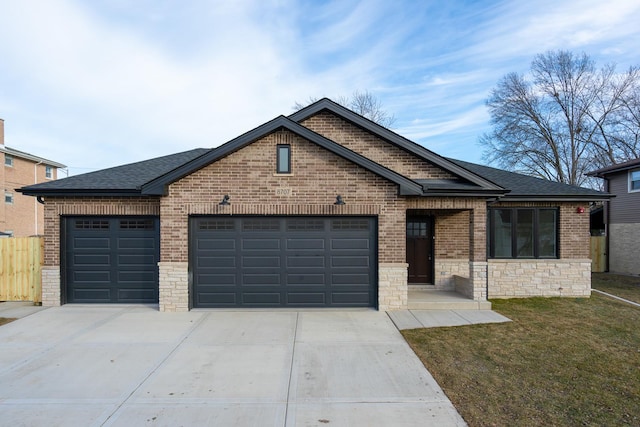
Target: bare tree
564,119
363,103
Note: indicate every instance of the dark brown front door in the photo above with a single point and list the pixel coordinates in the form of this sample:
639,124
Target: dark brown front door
420,249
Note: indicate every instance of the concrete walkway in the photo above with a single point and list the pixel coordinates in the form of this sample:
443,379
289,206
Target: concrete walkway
411,319
132,365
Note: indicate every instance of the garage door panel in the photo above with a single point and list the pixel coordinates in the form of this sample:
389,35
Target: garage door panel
91,243
217,280
216,262
137,243
350,279
317,261
272,244
216,244
96,260
311,299
261,298
310,244
218,298
92,276
261,262
111,259
306,279
285,261
350,261
350,298
138,277
135,294
349,244
135,260
261,279
86,295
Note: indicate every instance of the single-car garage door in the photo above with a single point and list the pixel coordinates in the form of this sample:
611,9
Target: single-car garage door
111,259
283,261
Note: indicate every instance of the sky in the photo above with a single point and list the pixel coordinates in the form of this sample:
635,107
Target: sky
100,83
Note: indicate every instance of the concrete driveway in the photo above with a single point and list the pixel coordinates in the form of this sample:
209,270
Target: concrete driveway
132,365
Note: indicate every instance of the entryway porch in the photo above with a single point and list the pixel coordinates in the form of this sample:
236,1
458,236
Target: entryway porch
426,297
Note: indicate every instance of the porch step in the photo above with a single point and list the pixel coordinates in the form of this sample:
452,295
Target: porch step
426,299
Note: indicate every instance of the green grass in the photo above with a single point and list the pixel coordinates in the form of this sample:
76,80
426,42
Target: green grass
627,287
561,361
4,320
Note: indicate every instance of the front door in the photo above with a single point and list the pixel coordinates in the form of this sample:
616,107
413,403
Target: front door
420,250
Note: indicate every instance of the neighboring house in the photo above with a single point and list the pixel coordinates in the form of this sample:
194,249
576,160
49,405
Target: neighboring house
622,215
322,208
20,215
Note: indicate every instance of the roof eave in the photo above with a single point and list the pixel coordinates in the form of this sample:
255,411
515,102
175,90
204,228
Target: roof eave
556,198
80,192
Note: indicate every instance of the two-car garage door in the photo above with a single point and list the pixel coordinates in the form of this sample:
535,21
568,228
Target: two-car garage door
283,261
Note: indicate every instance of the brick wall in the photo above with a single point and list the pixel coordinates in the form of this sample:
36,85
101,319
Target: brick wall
372,147
25,216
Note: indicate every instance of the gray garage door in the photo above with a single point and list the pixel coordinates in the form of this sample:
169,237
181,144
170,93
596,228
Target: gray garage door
283,261
111,259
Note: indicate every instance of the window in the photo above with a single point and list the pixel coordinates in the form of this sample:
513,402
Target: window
634,180
523,233
48,172
8,160
8,198
283,159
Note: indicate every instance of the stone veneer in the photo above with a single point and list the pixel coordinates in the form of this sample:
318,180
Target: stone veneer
51,286
624,247
392,286
446,270
174,286
548,278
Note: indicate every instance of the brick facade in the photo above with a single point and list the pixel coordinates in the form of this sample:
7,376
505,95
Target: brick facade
248,176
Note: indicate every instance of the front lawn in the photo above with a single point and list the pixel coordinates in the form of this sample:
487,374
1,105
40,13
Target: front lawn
562,361
627,287
4,320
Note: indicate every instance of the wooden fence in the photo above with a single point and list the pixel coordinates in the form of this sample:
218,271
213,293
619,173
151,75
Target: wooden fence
21,260
598,254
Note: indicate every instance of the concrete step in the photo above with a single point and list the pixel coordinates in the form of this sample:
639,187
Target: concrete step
443,300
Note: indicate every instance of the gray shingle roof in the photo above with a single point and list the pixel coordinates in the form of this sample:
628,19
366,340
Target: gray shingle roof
524,186
126,178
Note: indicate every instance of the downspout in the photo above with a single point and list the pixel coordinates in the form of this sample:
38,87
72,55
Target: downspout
35,202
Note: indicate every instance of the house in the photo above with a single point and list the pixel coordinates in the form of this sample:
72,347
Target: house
622,215
322,208
20,215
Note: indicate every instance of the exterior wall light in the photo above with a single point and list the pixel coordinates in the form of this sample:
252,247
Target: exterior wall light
339,200
225,200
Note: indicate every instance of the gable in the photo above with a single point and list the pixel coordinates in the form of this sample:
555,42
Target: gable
373,147
248,176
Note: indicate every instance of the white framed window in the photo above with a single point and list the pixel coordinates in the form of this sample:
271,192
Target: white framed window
634,180
8,160
48,172
8,198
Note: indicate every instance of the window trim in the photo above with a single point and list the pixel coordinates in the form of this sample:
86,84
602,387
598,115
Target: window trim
48,172
280,168
8,160
491,228
631,181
